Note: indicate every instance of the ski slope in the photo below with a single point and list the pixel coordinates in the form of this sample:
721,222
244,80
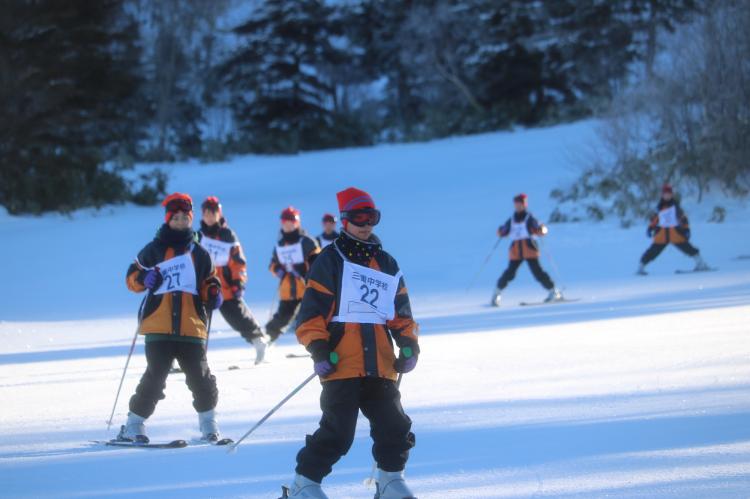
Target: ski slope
638,390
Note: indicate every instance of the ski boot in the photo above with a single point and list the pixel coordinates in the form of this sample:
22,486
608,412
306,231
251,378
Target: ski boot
134,430
303,488
700,264
208,426
392,485
641,269
554,295
260,349
497,296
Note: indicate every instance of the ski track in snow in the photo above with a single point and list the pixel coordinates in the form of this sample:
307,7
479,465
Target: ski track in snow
638,390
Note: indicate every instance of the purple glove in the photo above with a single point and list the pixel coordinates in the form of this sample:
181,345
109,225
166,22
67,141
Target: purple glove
215,299
280,273
324,368
153,279
406,361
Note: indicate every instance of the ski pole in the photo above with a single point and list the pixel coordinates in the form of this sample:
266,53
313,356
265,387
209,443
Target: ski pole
552,262
486,260
371,480
127,362
233,447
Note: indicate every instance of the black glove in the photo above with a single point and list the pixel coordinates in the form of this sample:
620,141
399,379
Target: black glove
650,231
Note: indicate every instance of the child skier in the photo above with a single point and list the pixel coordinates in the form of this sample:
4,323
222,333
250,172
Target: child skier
181,283
290,262
669,224
355,306
226,253
329,233
522,228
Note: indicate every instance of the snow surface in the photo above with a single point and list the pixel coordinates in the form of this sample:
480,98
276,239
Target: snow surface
638,390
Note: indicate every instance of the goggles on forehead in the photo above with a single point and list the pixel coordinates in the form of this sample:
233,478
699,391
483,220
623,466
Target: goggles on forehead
179,205
360,218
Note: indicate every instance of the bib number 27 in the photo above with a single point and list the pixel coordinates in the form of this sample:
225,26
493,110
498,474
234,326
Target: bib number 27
173,280
369,296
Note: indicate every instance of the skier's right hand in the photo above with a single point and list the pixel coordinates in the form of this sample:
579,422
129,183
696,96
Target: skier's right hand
650,231
153,279
280,273
324,361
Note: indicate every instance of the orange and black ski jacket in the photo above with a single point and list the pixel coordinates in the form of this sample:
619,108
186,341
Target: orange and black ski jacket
667,235
364,350
292,285
177,315
233,276
523,249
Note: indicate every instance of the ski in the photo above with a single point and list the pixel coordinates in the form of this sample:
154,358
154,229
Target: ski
553,302
297,355
218,443
174,444
683,271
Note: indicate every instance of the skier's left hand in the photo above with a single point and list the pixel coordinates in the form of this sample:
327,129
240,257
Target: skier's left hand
238,292
543,230
406,361
215,299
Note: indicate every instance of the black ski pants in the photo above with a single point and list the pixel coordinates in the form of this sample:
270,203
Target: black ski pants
240,318
341,400
536,269
192,360
655,250
283,316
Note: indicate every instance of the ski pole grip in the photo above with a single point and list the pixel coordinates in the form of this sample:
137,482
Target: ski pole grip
333,357
408,352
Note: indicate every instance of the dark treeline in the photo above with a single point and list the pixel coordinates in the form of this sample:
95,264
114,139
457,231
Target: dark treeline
88,87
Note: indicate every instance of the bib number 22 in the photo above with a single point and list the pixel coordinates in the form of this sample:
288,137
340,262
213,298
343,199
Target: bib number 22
367,292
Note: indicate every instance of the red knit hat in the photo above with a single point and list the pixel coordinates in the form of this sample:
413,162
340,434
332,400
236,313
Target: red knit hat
666,188
211,203
177,202
354,199
521,198
290,214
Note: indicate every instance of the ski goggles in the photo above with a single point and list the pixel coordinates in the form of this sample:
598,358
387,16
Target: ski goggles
179,205
360,218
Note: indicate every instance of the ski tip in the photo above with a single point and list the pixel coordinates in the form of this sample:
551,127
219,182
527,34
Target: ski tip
178,444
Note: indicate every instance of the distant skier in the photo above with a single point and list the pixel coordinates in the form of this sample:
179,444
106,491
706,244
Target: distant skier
329,233
231,267
669,225
290,262
356,304
182,286
522,228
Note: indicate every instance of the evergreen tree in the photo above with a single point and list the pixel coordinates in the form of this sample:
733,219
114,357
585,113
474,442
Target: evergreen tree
69,100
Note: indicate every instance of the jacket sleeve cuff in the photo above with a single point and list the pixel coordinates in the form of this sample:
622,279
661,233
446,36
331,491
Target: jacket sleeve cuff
319,349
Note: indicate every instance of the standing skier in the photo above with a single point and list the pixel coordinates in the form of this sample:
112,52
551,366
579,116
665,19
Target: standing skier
290,262
669,224
522,228
226,253
329,233
355,306
181,283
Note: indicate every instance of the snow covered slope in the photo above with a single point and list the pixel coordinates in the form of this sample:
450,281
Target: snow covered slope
638,390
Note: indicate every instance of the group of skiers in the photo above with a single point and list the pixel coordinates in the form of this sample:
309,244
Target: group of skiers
351,307
668,225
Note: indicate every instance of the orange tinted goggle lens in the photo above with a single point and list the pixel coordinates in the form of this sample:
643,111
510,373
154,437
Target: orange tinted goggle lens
361,218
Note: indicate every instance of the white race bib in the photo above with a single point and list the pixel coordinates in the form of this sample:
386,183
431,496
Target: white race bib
219,250
290,255
520,230
367,295
668,217
178,274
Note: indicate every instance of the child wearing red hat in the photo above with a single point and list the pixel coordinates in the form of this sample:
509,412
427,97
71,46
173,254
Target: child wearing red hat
290,262
522,229
329,233
355,307
231,267
181,287
669,225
